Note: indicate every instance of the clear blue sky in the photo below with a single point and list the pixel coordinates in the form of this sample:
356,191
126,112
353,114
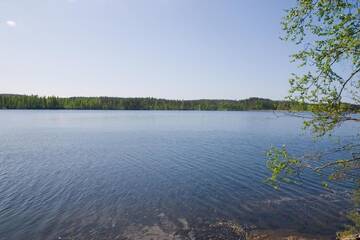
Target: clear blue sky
178,49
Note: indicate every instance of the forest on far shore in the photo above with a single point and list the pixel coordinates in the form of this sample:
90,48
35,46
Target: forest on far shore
12,101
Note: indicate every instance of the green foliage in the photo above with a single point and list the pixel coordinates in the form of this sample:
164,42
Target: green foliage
112,103
282,166
328,34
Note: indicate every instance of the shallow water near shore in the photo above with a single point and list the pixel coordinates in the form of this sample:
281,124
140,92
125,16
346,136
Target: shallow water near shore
156,174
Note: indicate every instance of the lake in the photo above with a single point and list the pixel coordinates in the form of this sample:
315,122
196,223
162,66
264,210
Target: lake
115,174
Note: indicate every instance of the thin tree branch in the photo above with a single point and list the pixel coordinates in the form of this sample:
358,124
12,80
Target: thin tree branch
346,82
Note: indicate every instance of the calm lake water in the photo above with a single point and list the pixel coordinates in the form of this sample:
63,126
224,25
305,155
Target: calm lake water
104,174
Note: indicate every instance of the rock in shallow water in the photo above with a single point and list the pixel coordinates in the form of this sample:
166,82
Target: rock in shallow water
221,230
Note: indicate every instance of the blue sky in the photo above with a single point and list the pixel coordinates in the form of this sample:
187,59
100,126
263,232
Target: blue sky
178,49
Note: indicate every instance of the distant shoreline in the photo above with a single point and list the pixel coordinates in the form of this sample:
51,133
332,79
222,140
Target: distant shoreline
34,102
140,110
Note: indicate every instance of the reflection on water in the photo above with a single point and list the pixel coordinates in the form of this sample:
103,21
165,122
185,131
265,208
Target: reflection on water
118,174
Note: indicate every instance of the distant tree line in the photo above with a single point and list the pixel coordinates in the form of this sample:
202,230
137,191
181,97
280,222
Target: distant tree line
9,101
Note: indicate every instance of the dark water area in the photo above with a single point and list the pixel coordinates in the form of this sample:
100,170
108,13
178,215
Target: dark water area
109,174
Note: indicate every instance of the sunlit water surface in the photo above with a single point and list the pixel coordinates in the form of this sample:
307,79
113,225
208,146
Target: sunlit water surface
94,174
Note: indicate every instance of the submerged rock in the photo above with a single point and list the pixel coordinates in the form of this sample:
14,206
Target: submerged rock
351,237
164,230
147,233
284,235
180,229
223,230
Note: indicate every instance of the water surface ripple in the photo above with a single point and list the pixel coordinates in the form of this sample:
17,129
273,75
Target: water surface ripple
91,174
